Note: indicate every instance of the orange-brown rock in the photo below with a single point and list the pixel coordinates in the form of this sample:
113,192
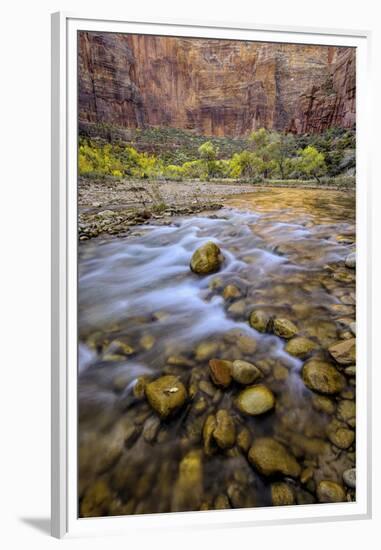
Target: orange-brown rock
214,87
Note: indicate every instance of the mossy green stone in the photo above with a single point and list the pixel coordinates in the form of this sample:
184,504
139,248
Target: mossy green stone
206,259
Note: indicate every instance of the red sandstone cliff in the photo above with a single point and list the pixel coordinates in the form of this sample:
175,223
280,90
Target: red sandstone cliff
215,87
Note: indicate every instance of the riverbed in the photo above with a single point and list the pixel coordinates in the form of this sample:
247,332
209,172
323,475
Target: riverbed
143,314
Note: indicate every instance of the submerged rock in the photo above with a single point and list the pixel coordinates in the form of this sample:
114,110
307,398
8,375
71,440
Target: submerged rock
244,372
246,343
322,377
330,491
221,502
255,400
231,291
259,320
207,434
340,435
218,431
344,352
206,259
282,494
323,404
220,372
244,440
350,260
206,350
187,492
349,478
96,500
346,411
166,395
300,347
224,432
119,347
284,328
271,457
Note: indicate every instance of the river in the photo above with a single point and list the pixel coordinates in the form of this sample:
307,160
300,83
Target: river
142,314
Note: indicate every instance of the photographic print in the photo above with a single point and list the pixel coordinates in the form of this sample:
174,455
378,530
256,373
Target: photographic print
216,274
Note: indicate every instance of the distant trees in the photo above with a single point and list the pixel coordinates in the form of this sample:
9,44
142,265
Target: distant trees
268,154
312,163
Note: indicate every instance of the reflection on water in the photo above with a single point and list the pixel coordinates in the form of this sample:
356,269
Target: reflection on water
143,313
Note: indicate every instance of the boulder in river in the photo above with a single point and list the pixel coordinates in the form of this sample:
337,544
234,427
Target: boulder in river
165,395
330,491
271,457
322,377
300,346
244,372
255,400
284,328
344,352
220,372
206,259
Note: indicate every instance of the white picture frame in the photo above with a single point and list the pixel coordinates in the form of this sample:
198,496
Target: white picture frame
65,521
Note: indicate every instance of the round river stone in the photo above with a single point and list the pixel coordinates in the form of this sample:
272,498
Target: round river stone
322,377
255,400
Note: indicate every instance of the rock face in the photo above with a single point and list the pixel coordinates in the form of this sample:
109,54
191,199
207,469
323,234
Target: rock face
214,87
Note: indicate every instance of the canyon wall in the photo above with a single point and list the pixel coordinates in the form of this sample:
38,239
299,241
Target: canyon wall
214,87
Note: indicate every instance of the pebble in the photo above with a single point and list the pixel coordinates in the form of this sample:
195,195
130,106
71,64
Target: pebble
244,372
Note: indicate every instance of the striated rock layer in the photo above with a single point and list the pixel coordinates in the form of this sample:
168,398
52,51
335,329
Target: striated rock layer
214,87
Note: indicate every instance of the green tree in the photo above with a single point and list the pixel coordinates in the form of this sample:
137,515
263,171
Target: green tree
282,151
208,154
311,162
261,143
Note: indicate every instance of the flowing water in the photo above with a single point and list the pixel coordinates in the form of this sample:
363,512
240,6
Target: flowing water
143,313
